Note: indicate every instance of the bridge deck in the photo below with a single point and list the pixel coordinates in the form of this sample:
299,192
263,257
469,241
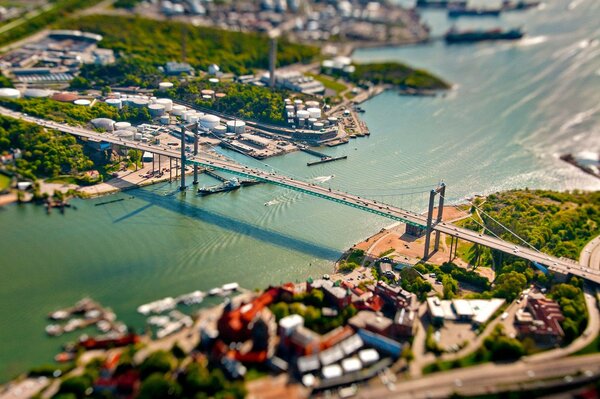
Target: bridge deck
367,205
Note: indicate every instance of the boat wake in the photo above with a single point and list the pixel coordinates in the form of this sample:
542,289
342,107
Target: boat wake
272,202
323,179
532,41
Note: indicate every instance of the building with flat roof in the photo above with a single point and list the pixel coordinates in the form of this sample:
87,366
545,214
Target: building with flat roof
477,311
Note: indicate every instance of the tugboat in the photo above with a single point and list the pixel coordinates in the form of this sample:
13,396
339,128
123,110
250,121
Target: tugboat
468,36
229,185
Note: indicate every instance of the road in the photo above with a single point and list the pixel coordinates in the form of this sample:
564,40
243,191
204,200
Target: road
364,204
590,255
485,378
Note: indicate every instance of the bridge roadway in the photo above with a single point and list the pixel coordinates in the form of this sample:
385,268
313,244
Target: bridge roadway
364,204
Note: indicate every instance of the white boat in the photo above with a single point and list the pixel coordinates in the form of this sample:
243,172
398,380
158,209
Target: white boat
191,298
159,321
54,330
215,291
162,305
59,315
169,329
230,287
103,326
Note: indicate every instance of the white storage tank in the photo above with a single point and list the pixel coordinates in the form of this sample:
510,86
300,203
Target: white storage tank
318,126
194,118
213,80
167,102
104,124
82,102
124,134
297,102
209,121
165,85
314,112
287,101
332,120
236,126
312,104
156,110
206,97
207,92
37,93
303,114
114,102
8,92
289,108
165,120
220,130
178,110
137,136
301,121
311,121
138,102
122,125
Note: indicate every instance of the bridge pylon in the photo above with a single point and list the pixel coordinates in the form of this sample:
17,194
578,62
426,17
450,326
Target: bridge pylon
182,186
441,191
195,155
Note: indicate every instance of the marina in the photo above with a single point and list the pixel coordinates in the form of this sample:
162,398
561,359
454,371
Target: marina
83,314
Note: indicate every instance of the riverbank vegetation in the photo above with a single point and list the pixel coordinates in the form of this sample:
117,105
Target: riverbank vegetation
248,102
44,153
57,11
399,75
75,115
155,42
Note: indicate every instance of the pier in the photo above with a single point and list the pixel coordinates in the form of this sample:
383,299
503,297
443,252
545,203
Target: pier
324,157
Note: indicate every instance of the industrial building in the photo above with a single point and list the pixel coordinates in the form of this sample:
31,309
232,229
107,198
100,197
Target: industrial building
295,81
56,58
476,311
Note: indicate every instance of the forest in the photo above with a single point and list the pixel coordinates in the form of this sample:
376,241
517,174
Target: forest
397,74
155,42
45,153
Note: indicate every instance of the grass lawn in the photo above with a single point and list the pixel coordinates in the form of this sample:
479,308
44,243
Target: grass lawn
330,83
66,179
4,182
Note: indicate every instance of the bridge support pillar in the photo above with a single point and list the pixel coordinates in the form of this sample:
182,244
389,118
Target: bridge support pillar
442,192
196,154
182,186
428,231
170,169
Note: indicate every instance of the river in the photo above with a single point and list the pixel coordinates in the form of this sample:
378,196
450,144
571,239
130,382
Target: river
515,108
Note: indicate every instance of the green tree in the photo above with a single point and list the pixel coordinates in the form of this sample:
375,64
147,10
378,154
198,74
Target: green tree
158,386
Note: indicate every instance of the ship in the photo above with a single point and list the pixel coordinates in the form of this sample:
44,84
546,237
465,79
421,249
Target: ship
467,36
454,12
440,3
507,5
229,185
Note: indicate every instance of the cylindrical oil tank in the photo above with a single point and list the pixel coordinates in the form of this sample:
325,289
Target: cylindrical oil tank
178,110
156,110
137,136
213,80
314,112
209,121
122,125
164,119
124,134
303,114
220,130
301,122
318,125
167,102
312,104
8,92
332,120
165,85
311,121
237,127
194,118
114,102
206,97
138,102
82,102
37,93
104,124
207,92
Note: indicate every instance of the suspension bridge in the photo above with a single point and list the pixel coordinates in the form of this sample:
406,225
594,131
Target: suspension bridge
423,224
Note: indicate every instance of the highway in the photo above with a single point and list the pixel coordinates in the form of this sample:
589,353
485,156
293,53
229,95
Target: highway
590,256
488,378
364,204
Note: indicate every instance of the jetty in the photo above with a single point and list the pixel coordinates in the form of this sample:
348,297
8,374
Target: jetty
323,157
90,313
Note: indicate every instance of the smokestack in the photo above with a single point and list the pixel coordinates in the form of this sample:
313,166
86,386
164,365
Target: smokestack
272,60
